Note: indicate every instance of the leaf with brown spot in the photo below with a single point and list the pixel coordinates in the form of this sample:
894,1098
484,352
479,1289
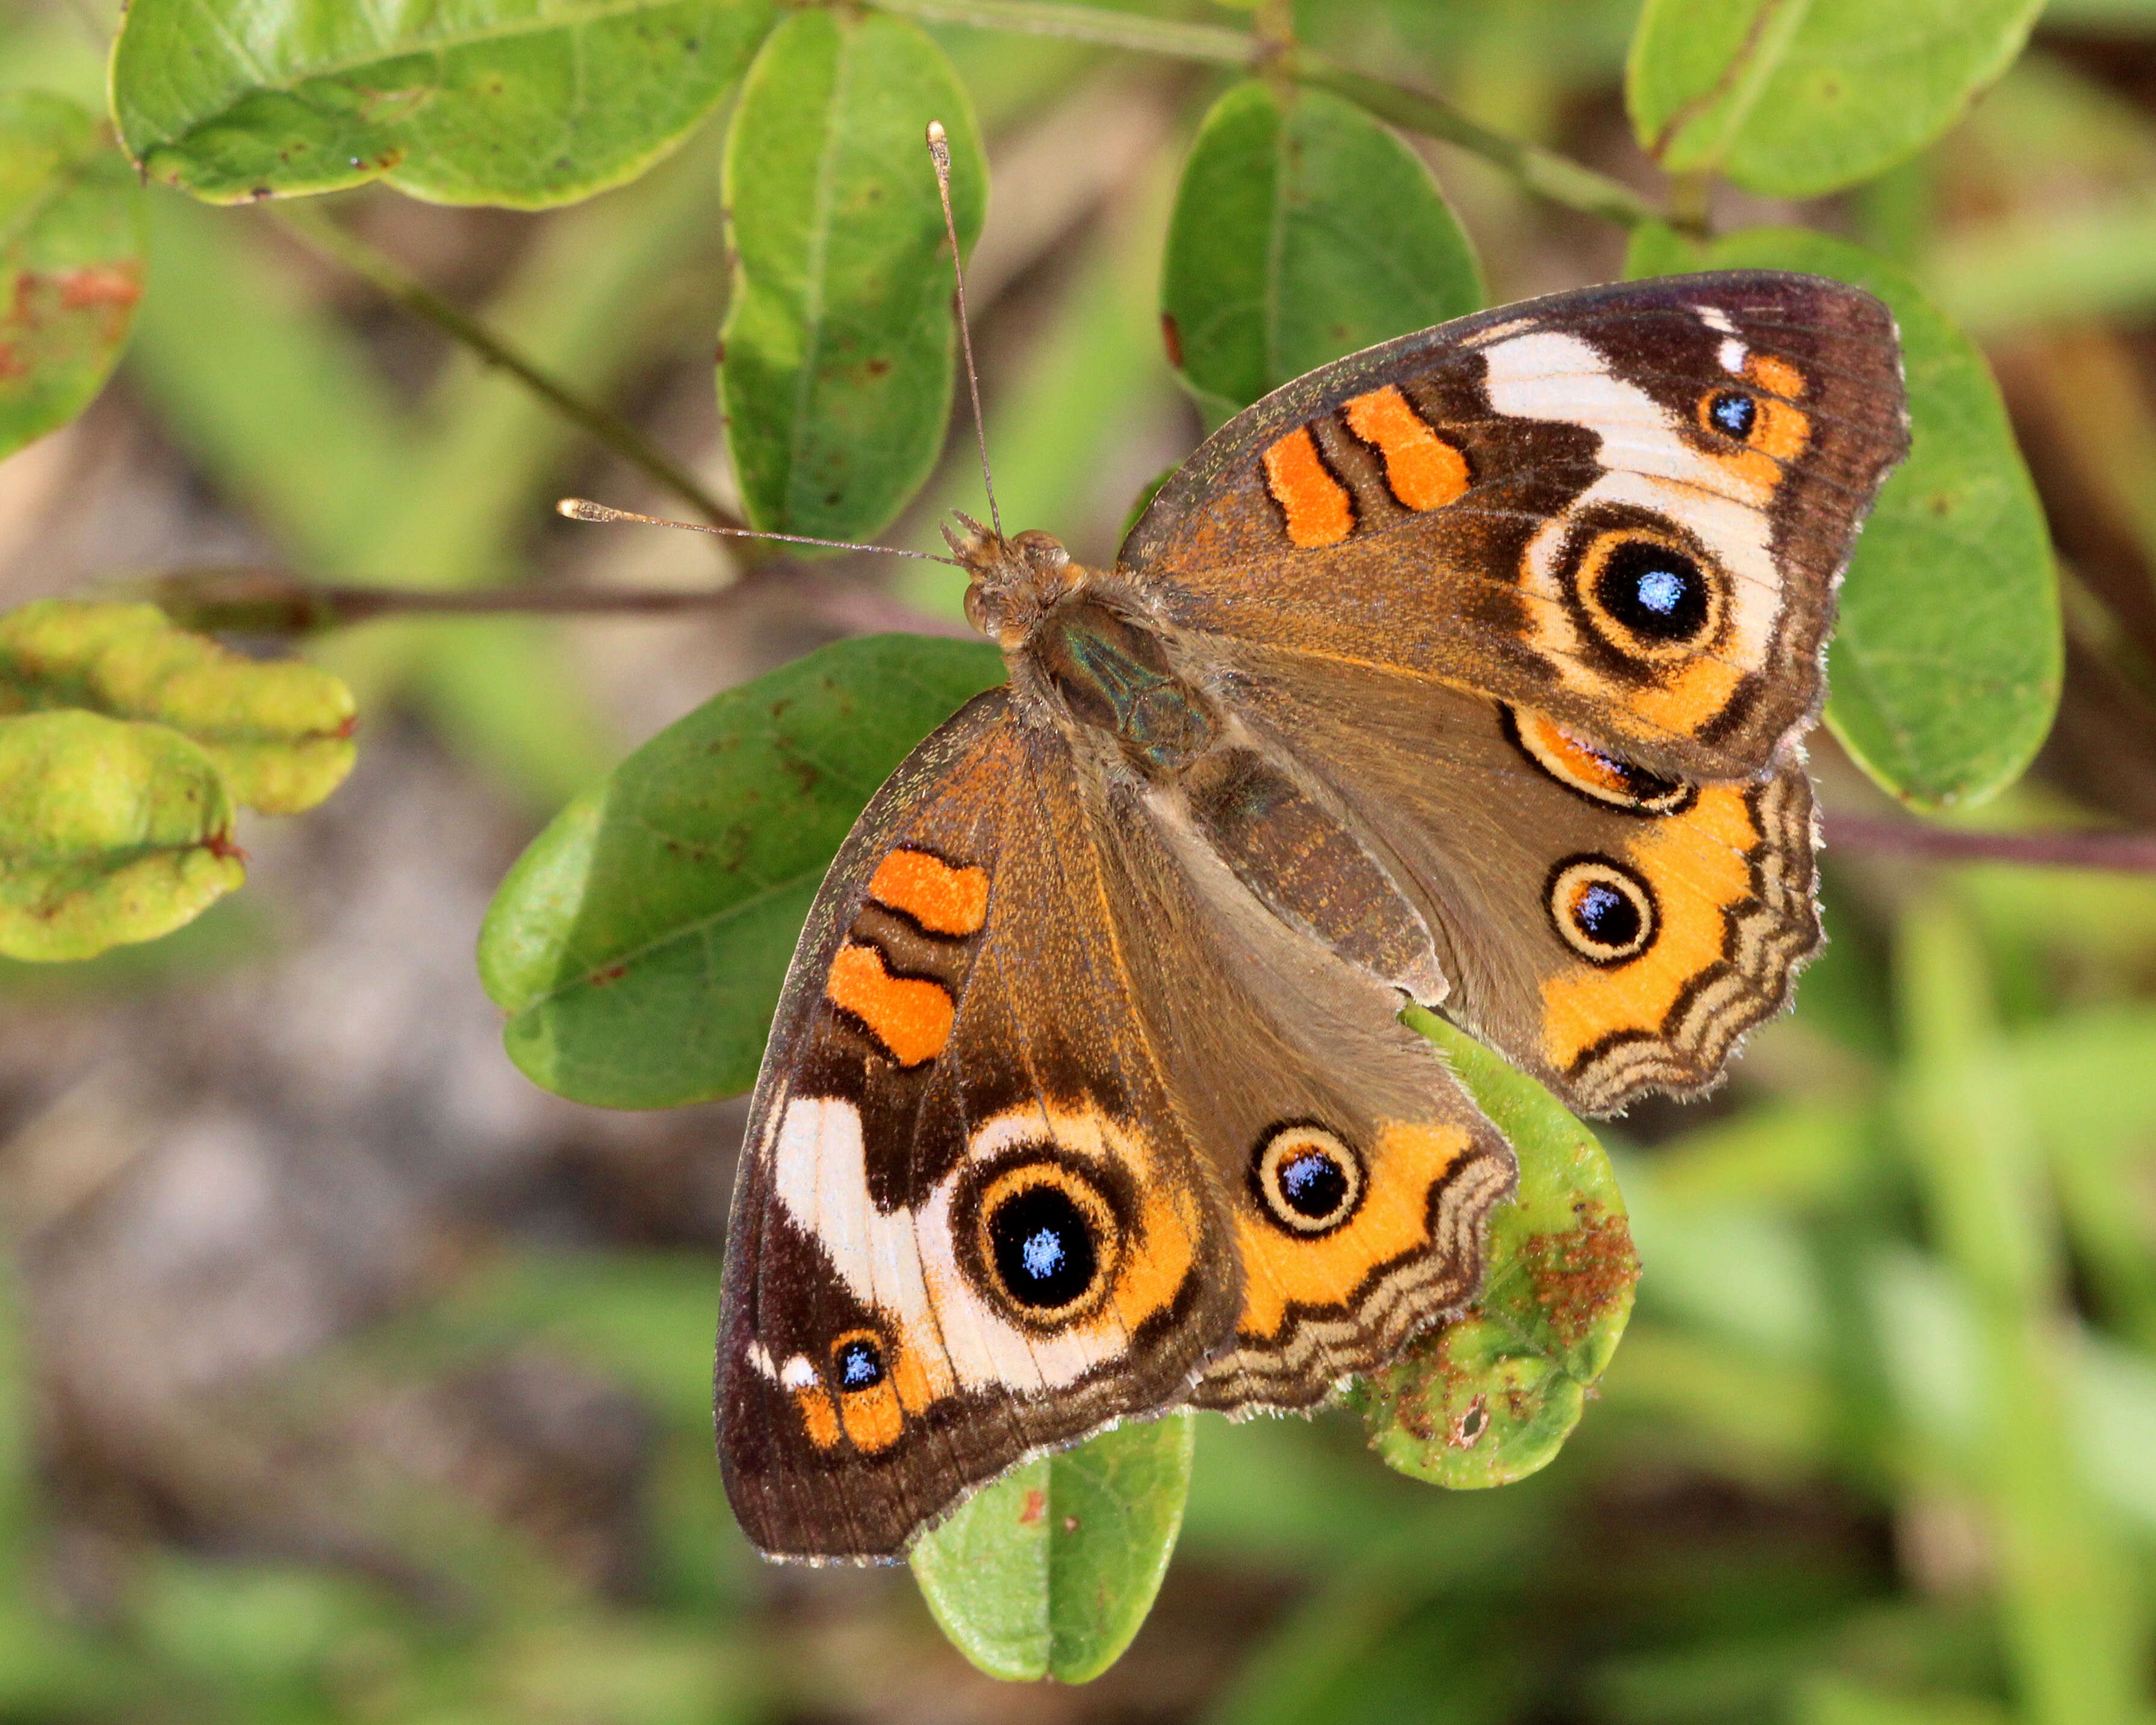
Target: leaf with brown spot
71,241
1491,1397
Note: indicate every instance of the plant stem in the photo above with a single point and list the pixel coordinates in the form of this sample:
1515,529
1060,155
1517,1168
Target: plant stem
2121,853
1556,177
270,602
609,429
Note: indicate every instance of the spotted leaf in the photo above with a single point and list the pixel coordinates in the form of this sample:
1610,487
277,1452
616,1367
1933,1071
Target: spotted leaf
70,262
1491,1397
1049,1571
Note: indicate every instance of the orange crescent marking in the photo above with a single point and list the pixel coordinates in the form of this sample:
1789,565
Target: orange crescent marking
941,899
873,1418
1280,1270
818,1422
1778,375
1316,503
1697,866
1583,764
1688,701
910,1016
1423,470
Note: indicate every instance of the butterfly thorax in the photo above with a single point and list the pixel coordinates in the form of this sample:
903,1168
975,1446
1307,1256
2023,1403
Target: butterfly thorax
1083,652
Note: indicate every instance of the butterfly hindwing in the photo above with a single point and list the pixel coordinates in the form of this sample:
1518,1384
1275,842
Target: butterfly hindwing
1610,929
1626,507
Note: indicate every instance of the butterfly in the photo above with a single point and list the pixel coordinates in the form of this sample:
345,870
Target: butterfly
1470,670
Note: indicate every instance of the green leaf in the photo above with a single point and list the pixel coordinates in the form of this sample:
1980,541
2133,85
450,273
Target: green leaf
280,731
1303,230
1657,248
109,832
1491,1397
1795,98
837,355
639,943
1946,666
526,103
1049,1571
71,245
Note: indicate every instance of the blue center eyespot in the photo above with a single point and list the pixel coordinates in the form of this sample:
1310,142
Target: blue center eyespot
1652,591
1043,1244
1605,916
1043,1254
1313,1183
1732,412
1661,591
861,1365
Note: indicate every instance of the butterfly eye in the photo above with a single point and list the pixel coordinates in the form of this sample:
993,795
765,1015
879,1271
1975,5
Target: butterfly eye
1604,913
1047,1237
1309,1181
1732,413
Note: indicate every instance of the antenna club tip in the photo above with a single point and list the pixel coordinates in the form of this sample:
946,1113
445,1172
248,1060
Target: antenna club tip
939,145
579,509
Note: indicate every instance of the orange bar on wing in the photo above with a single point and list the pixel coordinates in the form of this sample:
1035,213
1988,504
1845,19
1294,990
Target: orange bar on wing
1314,503
1422,470
909,1015
941,899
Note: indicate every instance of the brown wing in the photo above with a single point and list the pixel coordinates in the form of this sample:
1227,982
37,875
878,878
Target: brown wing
1626,507
1059,1125
969,1226
1610,931
1355,1171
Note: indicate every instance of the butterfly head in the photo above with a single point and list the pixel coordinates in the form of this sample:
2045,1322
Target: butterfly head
1015,581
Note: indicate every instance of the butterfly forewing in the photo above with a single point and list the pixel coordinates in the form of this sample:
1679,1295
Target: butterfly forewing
1626,507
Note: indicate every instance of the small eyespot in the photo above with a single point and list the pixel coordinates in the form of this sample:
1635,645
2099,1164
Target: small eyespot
1047,1236
1732,413
857,1361
1653,591
1604,913
1308,1180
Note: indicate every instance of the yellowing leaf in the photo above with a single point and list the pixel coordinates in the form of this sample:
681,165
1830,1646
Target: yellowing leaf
109,832
280,733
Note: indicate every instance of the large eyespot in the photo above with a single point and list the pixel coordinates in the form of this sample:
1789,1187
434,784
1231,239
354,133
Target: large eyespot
857,1360
1308,1180
1730,411
1656,594
1048,1237
1604,913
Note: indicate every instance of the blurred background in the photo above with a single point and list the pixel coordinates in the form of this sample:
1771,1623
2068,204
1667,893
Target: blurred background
349,1376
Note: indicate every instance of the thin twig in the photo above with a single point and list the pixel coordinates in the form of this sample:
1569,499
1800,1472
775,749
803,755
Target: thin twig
1556,177
271,601
609,429
2121,853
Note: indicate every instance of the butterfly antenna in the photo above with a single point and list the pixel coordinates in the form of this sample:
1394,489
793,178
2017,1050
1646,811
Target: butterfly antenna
583,509
939,153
